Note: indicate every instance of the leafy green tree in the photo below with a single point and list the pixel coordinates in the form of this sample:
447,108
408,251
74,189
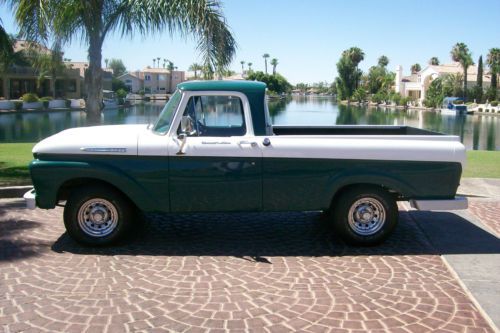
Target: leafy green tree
434,95
49,64
356,55
348,76
93,21
274,63
493,60
265,56
477,91
434,61
359,95
453,85
415,68
460,53
195,67
383,61
117,84
275,83
6,48
117,67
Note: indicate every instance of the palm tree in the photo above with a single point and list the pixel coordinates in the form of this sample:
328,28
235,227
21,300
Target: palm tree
434,61
356,55
6,49
158,61
242,66
250,66
106,62
195,67
171,68
493,60
383,61
265,56
415,68
49,64
460,53
274,63
154,62
93,21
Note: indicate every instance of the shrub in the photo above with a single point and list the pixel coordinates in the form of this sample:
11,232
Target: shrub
68,103
487,110
121,93
29,98
480,109
121,100
147,98
18,105
45,101
494,103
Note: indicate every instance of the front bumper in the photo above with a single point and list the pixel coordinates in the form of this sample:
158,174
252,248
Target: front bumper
29,198
452,204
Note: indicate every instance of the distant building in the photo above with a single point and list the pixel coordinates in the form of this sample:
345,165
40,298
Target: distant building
18,80
416,84
81,66
153,80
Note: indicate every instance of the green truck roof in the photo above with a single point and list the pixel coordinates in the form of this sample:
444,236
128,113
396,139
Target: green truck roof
236,85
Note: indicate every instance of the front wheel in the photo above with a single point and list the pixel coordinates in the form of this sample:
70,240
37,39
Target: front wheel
98,215
365,215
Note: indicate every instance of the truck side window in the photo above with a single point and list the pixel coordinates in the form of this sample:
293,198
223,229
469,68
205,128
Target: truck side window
216,115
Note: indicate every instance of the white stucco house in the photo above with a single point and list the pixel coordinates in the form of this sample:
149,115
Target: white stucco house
416,84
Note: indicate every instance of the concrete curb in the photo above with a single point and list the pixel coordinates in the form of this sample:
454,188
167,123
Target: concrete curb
14,191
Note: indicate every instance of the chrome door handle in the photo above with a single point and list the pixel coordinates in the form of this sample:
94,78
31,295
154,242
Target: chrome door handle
251,143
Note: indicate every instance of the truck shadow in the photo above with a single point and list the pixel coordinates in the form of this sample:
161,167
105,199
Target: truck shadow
257,237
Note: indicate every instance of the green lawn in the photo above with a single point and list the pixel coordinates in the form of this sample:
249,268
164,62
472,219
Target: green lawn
482,164
14,159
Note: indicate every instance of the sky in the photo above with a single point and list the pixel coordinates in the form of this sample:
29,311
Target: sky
308,36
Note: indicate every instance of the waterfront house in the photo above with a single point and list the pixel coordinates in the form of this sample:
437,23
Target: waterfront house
416,84
153,80
18,79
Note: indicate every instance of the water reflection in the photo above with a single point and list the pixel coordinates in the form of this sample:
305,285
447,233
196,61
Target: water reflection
476,132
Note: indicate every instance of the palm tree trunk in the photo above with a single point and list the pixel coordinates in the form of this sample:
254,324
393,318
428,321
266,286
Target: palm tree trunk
465,84
53,86
93,81
265,62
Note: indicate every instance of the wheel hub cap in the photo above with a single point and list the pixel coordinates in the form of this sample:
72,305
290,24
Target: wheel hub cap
366,216
97,217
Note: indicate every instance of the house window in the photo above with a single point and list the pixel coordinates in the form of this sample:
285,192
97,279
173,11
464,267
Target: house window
128,81
71,86
162,77
147,77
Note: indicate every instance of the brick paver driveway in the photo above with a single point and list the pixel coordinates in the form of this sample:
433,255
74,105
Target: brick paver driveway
272,272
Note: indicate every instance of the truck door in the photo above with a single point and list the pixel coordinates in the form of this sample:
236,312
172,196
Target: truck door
215,163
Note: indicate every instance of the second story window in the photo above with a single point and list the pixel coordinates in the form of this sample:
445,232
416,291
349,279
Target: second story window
147,77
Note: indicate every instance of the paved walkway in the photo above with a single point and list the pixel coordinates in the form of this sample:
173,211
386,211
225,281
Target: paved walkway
263,272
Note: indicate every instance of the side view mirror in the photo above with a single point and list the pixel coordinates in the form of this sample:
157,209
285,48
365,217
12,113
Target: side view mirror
187,126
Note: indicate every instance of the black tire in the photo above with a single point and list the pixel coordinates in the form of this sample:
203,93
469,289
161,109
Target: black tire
365,215
111,210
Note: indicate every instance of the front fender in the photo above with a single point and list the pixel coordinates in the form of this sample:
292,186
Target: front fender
49,176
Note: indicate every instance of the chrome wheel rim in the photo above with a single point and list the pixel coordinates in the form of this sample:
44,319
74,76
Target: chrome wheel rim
366,216
97,217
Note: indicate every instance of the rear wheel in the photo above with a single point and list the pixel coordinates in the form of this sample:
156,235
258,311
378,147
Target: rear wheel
98,215
365,215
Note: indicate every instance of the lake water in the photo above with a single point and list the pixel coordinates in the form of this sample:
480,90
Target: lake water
476,132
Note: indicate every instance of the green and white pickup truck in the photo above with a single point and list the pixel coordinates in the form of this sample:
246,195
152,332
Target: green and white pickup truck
213,149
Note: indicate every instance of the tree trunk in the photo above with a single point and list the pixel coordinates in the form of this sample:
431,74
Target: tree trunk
265,62
93,82
53,85
465,84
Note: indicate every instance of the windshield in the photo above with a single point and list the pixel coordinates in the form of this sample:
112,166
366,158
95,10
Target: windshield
167,114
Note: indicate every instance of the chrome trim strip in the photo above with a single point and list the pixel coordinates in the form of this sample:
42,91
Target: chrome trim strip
104,150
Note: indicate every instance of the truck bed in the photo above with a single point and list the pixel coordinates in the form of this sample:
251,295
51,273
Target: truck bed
351,130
